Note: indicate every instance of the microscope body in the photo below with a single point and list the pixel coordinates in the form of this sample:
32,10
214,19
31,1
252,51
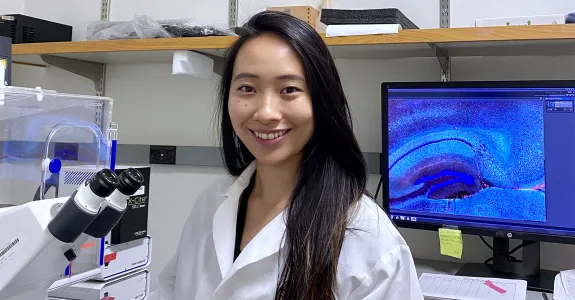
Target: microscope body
31,258
39,239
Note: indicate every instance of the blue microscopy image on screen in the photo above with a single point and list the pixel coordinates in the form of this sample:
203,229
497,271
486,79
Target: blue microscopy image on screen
480,158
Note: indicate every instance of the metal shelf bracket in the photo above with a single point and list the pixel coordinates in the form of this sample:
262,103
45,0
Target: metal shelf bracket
442,56
218,63
444,62
87,69
219,66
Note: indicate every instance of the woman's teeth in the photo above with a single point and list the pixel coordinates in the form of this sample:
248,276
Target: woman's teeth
270,136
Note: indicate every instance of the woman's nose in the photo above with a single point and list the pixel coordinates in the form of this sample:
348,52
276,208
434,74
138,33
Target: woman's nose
268,110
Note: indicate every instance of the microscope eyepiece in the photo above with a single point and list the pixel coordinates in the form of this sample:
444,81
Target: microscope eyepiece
103,183
130,181
82,208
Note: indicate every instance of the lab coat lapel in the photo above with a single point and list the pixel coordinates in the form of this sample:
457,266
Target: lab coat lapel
225,219
266,243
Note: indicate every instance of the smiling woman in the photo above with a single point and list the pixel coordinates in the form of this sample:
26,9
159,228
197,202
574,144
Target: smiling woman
296,222
269,102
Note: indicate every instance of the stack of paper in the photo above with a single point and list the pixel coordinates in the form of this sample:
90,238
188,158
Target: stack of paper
564,288
361,29
435,286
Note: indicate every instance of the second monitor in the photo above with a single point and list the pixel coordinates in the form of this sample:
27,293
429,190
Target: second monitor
491,158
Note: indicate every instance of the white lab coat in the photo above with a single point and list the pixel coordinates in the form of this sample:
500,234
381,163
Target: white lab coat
375,262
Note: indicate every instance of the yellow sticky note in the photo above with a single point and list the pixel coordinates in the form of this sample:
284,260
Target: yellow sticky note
450,242
4,64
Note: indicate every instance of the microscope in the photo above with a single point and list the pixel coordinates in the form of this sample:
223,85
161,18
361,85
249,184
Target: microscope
39,239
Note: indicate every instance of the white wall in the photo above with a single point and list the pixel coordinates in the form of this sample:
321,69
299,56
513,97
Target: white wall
74,13
189,102
51,78
11,6
190,105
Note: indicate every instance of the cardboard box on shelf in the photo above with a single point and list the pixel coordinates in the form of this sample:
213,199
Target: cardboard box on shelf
307,14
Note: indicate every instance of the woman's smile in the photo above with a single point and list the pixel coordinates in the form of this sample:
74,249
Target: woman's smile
269,137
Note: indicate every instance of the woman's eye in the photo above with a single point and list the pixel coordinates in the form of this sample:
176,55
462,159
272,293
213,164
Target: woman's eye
247,89
290,90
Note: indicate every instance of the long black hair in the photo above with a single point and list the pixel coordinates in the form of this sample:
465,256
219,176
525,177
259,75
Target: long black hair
332,176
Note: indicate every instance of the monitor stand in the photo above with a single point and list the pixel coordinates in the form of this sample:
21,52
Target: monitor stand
528,270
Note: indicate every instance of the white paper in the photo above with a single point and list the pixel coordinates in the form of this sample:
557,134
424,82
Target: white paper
559,292
2,75
564,286
362,29
192,63
470,288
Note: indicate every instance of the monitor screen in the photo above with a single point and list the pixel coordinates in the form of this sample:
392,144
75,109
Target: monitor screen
482,155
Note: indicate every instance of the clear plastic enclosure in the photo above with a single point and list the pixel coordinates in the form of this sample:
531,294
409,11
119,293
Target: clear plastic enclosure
44,133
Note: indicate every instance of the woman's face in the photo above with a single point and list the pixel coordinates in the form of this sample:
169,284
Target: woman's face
269,102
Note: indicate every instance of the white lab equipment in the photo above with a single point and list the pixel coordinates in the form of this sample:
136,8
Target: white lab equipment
46,235
42,231
125,258
131,286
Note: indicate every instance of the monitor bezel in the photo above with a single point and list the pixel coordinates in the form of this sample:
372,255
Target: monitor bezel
507,234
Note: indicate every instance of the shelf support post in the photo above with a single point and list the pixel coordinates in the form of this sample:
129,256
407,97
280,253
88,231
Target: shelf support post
444,14
105,10
233,14
104,16
444,62
87,69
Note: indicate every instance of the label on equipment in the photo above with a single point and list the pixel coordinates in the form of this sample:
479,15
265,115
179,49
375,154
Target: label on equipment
3,71
12,248
140,191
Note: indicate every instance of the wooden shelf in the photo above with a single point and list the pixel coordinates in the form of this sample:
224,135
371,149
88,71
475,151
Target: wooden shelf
216,42
456,42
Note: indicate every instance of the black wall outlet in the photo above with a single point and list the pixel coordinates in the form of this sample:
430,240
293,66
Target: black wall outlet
165,155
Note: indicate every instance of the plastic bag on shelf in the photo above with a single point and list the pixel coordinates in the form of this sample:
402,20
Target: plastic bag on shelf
103,30
187,28
148,28
144,27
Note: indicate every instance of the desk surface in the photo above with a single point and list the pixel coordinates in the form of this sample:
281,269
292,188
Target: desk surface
440,267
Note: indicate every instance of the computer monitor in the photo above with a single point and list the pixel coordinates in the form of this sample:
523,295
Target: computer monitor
489,158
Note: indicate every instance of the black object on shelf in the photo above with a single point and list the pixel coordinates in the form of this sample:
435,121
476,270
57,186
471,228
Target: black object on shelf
366,16
23,29
193,31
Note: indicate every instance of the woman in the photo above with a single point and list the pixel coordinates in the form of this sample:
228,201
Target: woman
295,223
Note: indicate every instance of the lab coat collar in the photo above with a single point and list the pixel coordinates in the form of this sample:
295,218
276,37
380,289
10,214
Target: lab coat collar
242,182
266,243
